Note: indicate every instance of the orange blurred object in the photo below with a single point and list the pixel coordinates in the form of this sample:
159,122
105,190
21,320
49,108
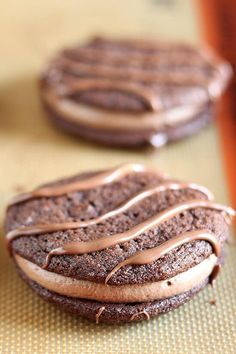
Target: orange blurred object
218,24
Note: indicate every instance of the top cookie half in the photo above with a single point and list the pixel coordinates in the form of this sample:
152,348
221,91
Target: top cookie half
133,92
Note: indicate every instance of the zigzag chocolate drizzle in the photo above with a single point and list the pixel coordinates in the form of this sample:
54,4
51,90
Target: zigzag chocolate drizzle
151,100
131,67
98,314
136,75
104,177
108,241
137,314
142,257
42,228
151,255
136,58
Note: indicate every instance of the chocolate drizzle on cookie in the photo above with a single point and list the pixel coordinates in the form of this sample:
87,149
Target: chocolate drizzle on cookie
99,179
134,67
39,229
98,314
145,256
151,255
140,313
108,241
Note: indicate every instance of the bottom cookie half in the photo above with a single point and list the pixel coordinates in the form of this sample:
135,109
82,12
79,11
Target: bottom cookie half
111,312
135,138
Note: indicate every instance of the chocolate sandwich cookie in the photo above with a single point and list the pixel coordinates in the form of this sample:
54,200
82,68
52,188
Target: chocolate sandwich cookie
133,92
119,245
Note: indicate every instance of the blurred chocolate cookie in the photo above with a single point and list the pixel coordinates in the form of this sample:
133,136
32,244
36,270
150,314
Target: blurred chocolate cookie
133,92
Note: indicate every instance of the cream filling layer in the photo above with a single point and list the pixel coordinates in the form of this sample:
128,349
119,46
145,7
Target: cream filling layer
103,119
118,294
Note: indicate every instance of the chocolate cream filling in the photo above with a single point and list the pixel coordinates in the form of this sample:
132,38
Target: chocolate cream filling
104,119
84,289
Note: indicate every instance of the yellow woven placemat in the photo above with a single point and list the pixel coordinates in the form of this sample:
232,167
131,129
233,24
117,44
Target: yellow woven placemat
33,152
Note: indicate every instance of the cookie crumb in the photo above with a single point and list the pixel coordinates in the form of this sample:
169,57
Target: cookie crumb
213,302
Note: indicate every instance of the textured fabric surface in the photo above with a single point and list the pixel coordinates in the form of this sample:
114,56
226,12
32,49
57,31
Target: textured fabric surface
32,152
